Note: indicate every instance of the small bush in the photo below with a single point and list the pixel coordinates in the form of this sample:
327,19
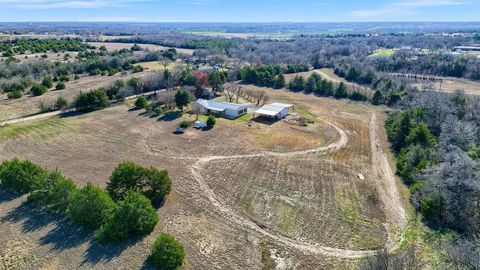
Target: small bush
52,190
61,104
141,102
211,121
64,78
90,206
92,101
166,253
38,89
129,176
134,216
185,124
19,175
60,86
47,82
14,95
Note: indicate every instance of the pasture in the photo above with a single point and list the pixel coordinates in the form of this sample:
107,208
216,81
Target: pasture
244,196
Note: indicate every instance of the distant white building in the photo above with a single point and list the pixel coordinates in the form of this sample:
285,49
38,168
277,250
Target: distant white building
224,109
274,110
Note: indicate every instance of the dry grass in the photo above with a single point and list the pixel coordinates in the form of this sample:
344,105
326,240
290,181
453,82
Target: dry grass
450,84
316,198
27,104
112,46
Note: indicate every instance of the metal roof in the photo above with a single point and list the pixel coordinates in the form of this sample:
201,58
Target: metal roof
220,106
273,108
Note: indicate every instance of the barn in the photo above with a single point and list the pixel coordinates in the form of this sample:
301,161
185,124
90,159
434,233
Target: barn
274,110
224,109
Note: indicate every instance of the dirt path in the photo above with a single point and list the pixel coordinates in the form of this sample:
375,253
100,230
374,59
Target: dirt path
30,118
50,114
387,188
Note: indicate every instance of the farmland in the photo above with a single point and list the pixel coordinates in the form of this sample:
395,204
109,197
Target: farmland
224,201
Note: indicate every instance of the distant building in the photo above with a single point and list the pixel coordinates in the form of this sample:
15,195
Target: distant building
406,48
224,109
274,110
472,48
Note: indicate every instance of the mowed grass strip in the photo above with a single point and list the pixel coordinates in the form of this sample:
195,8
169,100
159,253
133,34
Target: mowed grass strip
41,129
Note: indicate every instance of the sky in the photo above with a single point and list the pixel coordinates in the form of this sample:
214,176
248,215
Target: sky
239,10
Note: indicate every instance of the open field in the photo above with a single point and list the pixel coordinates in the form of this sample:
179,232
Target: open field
27,104
447,84
156,65
450,84
243,197
112,46
384,52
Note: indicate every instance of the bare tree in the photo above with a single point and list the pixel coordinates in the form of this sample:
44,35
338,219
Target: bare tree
231,91
195,108
164,62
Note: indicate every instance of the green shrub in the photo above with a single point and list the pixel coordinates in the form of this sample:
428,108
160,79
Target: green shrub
52,190
64,78
412,160
90,206
14,95
38,89
134,216
211,121
141,102
61,104
129,176
47,82
92,101
19,175
166,253
185,124
431,206
126,176
60,86
158,184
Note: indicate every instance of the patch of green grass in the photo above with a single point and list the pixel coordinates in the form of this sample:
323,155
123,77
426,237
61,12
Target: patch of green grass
363,241
384,52
286,219
305,113
41,129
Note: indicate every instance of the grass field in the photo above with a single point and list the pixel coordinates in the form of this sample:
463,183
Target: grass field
224,216
384,52
27,104
112,46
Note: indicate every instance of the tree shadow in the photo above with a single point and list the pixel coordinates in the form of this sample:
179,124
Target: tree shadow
265,120
148,266
66,235
7,195
71,114
99,252
33,218
170,116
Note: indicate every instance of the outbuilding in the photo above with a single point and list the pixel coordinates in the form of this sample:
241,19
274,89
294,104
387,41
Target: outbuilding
224,109
274,110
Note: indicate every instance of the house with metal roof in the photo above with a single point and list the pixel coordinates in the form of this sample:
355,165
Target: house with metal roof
274,110
224,109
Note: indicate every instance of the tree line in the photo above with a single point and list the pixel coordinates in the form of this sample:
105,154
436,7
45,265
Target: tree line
121,211
436,140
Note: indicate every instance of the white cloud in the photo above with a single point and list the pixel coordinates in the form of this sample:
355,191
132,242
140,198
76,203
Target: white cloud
46,4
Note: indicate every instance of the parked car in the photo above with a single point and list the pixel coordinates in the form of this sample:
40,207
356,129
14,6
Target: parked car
199,124
179,130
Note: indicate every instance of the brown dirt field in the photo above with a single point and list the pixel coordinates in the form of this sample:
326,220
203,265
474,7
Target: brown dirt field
112,46
27,104
314,198
450,85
